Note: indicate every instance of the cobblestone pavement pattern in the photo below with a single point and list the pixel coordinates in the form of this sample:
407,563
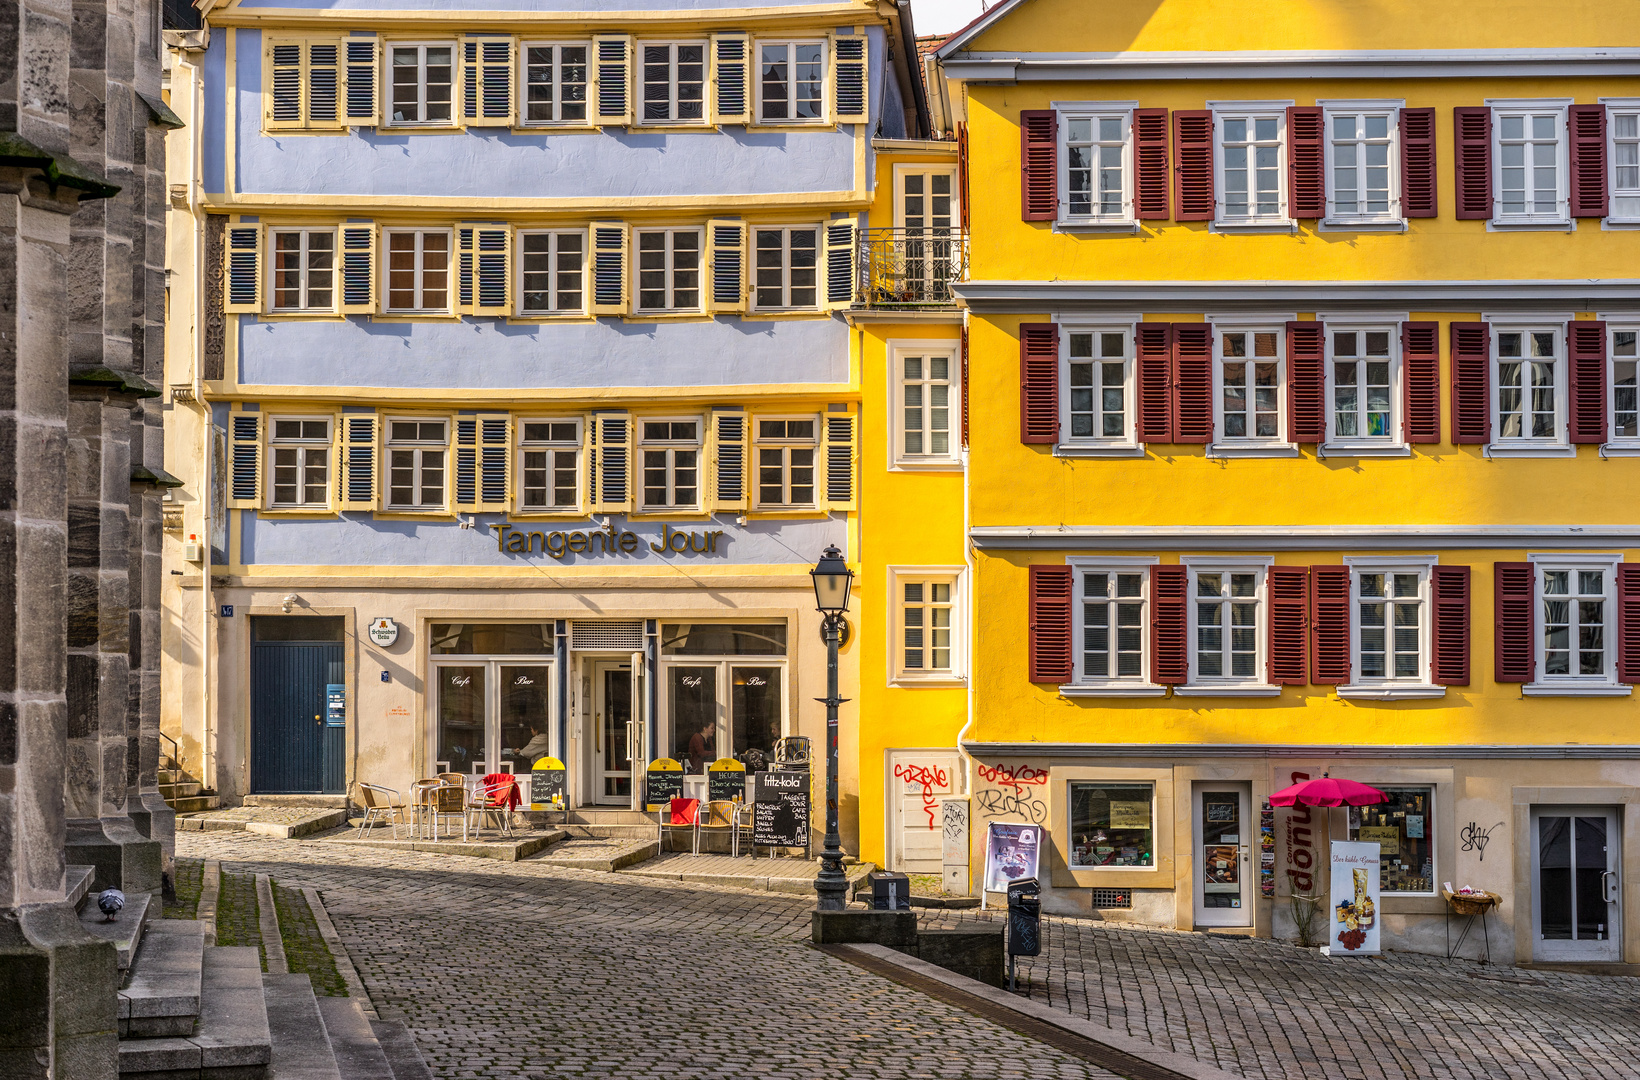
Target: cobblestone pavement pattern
527,970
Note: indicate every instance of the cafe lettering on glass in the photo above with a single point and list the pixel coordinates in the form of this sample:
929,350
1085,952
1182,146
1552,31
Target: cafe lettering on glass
608,540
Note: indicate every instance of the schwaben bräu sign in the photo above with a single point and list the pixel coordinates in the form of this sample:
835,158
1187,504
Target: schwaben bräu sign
609,540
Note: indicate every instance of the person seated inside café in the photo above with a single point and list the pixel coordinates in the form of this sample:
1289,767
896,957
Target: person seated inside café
700,749
525,757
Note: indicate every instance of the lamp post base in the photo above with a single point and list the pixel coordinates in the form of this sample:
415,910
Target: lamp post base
831,885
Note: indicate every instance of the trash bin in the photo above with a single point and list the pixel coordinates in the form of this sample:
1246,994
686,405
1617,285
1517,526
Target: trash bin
1025,917
890,891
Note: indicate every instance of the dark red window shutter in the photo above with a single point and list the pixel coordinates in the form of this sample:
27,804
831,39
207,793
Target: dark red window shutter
1418,191
1512,622
1306,165
1193,164
1306,382
1472,161
1330,616
1154,344
1150,164
1449,625
1421,381
1169,625
1586,352
1039,382
1039,164
1051,624
1471,383
1289,625
1588,130
1192,383
1628,622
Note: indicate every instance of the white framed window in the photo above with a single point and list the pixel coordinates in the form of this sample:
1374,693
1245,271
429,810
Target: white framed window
300,453
1363,162
668,270
421,78
1528,388
549,465
1096,407
925,387
926,625
1363,387
1390,628
302,269
1096,164
786,448
1576,625
417,270
1623,133
554,76
416,463
1111,654
787,260
791,82
1249,150
552,272
1249,388
1622,405
670,451
1530,163
1228,644
672,82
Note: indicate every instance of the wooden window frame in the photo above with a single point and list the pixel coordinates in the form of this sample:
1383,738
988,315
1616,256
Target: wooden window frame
590,84
1250,111
1613,328
754,66
898,352
1282,443
1607,683
1560,108
818,269
386,255
454,45
785,443
1228,685
1094,112
1625,107
1395,215
639,83
275,444
552,274
702,285
902,676
1358,445
272,269
523,445
417,445
1560,444
1128,442
1081,683
641,445
1389,685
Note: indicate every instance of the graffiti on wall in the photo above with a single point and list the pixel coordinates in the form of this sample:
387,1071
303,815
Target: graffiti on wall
927,777
1018,792
1475,839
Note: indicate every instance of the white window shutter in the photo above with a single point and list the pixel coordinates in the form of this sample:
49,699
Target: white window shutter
245,460
849,82
731,92
358,268
486,81
726,242
361,56
612,79
359,455
614,462
839,453
609,259
840,259
726,449
242,282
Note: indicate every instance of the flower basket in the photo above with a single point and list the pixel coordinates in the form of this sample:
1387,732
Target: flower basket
1471,903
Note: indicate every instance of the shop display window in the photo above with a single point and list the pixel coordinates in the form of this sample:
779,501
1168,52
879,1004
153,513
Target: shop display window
1404,829
1112,825
498,639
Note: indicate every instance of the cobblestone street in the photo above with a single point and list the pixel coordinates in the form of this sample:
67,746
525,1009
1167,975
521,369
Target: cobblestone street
533,970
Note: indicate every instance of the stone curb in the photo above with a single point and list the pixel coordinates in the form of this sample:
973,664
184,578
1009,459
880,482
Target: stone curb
318,822
268,916
1116,1040
339,954
210,888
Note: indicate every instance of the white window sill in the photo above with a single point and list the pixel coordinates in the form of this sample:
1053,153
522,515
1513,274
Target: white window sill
1623,224
1075,225
1528,450
935,465
1572,689
1529,225
1095,450
1388,692
1374,449
908,681
1388,225
1267,225
1112,690
1228,690
1622,449
1270,449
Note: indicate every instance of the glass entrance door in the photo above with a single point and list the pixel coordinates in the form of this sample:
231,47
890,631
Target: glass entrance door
526,731
463,702
1222,894
612,716
926,212
1577,905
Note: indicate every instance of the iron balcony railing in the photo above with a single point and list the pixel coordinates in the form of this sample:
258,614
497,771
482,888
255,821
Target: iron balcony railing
911,268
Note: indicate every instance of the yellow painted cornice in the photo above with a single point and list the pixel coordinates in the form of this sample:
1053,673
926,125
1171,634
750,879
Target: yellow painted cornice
756,18
772,395
630,206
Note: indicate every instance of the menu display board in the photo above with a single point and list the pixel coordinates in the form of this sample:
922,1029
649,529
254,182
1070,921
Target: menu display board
780,810
725,784
547,784
663,782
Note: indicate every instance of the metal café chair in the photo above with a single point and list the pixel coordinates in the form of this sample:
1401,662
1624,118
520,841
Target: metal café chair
383,804
676,814
493,795
421,804
447,801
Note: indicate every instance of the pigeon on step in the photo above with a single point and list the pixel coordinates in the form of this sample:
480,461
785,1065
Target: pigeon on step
109,902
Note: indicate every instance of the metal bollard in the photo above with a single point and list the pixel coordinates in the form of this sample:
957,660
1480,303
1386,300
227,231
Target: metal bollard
1024,921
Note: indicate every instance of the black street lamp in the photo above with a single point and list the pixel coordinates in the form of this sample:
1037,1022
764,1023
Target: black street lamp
832,579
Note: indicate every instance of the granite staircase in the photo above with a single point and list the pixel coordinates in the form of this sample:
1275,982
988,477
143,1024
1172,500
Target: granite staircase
181,792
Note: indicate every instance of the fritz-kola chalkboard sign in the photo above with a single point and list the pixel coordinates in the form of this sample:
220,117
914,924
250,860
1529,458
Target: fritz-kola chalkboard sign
780,814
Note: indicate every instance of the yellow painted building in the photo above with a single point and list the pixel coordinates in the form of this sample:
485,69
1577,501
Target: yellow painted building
1302,438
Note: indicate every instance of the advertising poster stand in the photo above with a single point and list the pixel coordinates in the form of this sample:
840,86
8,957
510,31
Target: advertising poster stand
1012,851
1353,906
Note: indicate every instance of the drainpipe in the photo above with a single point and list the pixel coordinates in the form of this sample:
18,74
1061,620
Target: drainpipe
207,641
968,562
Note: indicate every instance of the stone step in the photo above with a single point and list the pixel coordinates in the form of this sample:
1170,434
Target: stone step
232,1041
180,789
301,1050
645,831
401,1050
162,997
79,884
359,1053
127,928
333,802
195,804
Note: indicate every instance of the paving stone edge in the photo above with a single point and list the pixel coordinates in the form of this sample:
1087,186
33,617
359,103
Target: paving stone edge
339,954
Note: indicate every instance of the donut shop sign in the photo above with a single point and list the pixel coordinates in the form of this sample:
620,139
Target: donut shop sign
607,541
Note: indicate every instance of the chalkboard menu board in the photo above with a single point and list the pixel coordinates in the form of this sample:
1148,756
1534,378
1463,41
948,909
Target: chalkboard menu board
663,782
780,814
725,784
547,781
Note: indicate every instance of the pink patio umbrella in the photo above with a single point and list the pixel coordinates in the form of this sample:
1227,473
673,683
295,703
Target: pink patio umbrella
1328,791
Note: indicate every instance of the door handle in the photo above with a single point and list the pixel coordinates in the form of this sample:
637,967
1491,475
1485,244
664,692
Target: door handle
1608,886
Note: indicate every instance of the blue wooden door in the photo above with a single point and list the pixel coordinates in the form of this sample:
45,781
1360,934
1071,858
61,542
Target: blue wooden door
293,751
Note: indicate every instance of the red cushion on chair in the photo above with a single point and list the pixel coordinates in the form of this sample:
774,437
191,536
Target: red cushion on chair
683,811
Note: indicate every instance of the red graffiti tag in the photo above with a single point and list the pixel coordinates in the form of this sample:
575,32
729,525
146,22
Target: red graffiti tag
1013,776
930,778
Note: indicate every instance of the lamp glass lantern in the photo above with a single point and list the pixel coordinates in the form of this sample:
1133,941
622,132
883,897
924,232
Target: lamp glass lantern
832,579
